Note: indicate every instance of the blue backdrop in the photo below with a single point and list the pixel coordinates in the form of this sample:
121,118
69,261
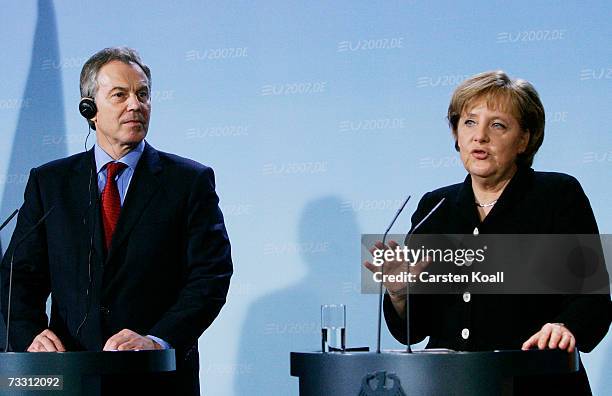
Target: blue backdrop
319,118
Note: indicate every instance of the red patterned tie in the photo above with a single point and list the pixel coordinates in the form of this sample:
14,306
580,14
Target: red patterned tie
111,202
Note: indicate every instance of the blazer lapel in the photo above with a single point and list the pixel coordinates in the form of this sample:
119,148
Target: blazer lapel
464,204
511,196
142,187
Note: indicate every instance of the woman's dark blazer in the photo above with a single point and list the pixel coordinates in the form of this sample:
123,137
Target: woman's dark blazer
532,203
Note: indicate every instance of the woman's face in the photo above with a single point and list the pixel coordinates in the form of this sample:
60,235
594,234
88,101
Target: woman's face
489,141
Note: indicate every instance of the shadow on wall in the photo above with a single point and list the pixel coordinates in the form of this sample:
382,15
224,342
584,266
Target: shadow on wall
40,135
289,319
605,380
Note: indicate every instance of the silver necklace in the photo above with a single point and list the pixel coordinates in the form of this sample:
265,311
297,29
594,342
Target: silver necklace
487,205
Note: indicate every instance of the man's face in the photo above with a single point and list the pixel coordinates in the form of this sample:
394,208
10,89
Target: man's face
124,104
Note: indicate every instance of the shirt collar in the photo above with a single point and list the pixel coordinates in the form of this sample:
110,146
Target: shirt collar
130,159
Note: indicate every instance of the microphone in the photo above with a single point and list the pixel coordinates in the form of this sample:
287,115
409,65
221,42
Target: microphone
382,269
9,219
19,242
408,237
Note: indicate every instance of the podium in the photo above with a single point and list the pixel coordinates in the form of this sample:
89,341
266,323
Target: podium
427,372
80,372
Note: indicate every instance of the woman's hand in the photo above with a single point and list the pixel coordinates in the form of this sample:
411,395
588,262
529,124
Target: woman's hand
552,336
395,267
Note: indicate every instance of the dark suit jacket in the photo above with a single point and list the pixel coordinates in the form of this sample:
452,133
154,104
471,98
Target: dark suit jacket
166,273
532,203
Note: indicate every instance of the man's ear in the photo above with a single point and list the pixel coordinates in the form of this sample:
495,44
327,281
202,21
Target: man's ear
92,122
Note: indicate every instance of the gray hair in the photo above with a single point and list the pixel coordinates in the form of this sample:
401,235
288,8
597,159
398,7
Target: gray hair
89,73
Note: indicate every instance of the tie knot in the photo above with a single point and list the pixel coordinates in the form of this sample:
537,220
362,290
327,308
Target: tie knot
113,168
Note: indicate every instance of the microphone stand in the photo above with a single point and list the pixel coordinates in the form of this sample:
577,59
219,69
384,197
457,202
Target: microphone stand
408,348
9,219
25,236
382,271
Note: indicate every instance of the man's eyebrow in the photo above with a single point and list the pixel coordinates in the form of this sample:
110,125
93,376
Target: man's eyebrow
118,87
124,88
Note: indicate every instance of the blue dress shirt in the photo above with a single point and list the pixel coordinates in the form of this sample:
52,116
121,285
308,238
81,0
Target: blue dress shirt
124,177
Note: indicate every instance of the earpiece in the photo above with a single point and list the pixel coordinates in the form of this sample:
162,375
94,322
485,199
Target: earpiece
88,109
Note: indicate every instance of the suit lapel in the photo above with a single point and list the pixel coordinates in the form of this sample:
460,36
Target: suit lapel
86,183
142,187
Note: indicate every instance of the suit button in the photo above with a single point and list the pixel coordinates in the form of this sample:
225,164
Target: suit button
476,232
465,334
104,310
467,296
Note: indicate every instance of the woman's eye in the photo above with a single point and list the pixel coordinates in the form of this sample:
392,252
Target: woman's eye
469,122
499,125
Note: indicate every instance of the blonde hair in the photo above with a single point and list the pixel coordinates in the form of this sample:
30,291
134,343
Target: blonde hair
515,96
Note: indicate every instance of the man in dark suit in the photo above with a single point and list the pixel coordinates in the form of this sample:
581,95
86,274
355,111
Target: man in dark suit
134,250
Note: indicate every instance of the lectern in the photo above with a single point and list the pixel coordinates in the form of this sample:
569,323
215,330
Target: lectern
23,373
427,372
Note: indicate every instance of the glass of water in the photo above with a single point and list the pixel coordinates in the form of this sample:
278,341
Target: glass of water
333,327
